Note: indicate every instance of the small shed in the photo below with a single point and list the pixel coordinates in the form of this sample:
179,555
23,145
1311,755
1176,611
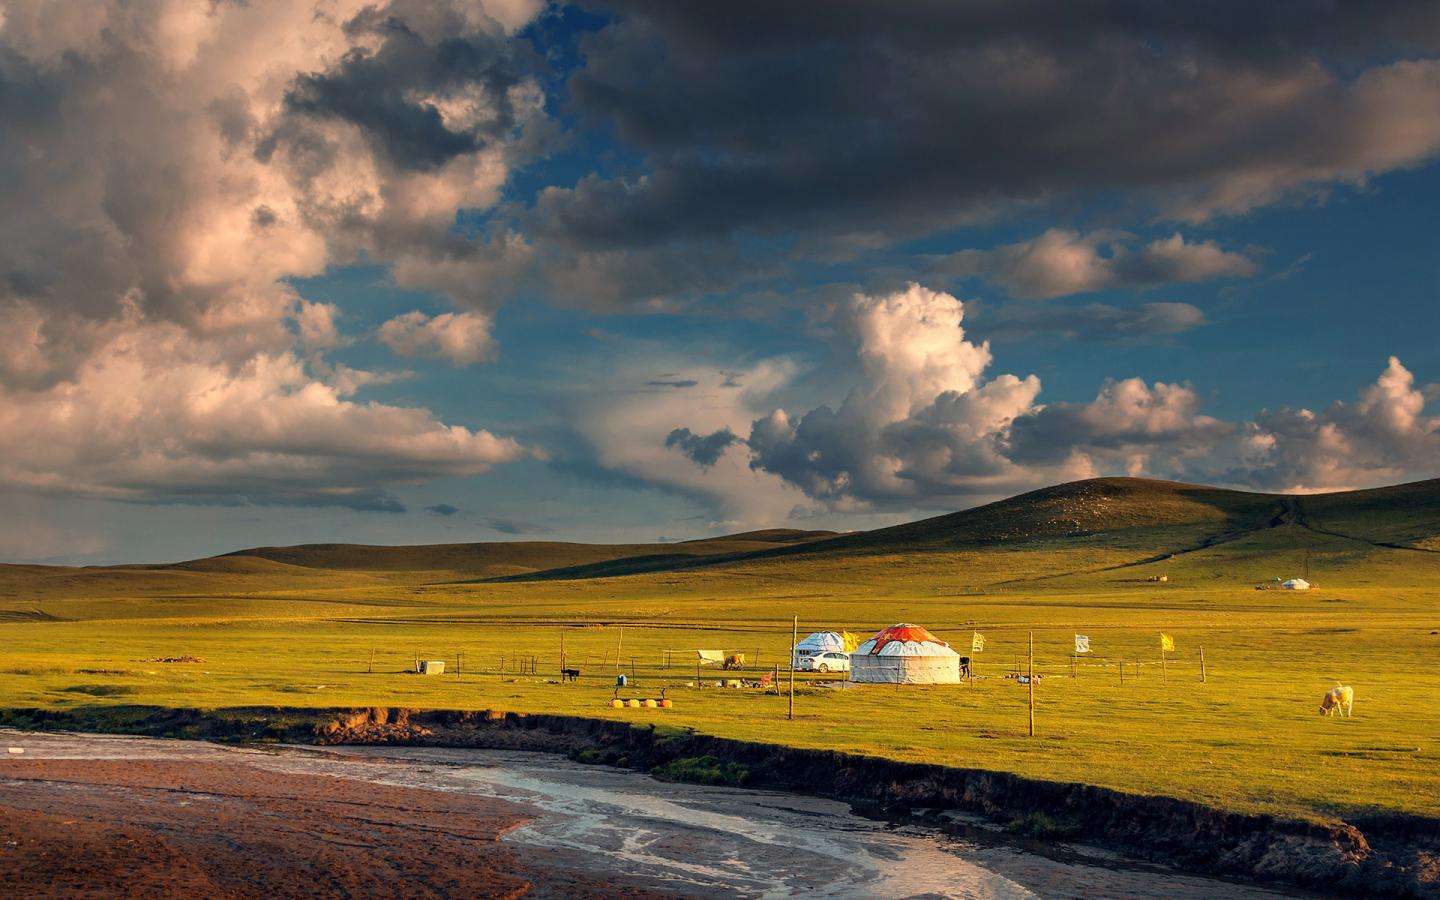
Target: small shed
431,666
1295,584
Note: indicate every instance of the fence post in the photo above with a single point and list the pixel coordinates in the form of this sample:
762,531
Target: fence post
1032,684
1202,665
794,636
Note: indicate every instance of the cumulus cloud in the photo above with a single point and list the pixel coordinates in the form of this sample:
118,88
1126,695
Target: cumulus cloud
925,425
1384,436
1129,421
1062,262
922,420
171,168
631,434
316,322
461,338
154,415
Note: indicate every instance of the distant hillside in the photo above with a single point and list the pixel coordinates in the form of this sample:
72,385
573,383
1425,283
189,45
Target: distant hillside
500,558
1134,518
1097,525
1120,508
361,566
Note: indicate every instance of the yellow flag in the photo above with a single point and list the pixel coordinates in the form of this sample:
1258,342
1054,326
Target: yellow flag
851,641
977,642
1166,642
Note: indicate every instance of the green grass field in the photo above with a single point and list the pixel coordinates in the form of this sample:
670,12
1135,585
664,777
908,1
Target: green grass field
299,630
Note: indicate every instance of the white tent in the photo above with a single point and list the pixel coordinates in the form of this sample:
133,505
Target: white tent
821,642
1296,584
905,654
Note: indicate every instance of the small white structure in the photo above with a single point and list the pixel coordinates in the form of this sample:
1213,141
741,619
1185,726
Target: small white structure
431,667
905,654
817,643
1295,584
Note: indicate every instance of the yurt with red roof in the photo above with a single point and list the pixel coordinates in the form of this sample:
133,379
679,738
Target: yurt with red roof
905,654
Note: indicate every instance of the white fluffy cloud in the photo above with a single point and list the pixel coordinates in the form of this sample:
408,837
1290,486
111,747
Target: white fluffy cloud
154,415
461,338
925,426
1383,437
922,421
171,166
1062,262
629,423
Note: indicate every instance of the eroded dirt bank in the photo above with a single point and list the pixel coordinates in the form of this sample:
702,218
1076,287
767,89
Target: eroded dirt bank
1392,855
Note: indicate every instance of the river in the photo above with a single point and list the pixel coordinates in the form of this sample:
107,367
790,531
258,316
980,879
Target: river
677,838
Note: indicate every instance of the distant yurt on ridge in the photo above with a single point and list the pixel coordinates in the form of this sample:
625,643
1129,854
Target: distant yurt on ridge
905,654
1296,584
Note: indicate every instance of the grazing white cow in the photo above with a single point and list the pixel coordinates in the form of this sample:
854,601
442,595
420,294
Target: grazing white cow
1341,697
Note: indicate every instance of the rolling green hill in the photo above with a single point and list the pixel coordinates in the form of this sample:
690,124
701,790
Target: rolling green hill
1112,522
361,565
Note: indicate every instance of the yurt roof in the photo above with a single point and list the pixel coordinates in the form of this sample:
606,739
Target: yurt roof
824,640
905,640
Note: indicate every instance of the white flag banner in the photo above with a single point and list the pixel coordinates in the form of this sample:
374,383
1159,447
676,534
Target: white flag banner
977,642
1082,643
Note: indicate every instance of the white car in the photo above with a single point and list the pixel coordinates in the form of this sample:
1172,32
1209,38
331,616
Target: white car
828,661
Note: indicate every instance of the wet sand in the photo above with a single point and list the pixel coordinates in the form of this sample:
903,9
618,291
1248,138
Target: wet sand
217,828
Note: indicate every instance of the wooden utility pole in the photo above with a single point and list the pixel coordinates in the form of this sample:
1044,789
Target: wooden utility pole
1162,663
371,669
1202,665
794,636
618,647
1032,684
1122,670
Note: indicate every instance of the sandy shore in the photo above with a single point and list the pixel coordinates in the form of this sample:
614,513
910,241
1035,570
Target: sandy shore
214,828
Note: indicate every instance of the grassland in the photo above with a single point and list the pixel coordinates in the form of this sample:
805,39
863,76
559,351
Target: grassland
298,629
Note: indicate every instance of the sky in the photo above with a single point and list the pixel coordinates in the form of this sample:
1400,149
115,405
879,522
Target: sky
290,271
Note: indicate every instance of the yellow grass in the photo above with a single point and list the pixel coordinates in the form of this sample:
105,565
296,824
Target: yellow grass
1249,738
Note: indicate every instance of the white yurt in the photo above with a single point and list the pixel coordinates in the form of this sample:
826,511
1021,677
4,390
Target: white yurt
1296,584
905,654
820,642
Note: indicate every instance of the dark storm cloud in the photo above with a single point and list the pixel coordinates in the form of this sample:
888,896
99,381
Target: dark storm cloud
383,92
704,450
442,509
672,383
896,119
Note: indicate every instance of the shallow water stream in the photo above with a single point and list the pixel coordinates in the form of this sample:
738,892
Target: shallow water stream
690,839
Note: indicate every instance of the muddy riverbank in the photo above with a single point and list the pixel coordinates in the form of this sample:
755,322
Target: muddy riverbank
1390,855
145,821
127,816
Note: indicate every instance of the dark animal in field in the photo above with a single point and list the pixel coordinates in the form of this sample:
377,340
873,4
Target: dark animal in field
569,674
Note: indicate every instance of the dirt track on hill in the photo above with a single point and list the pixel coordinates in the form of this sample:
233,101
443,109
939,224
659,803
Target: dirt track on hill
197,828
